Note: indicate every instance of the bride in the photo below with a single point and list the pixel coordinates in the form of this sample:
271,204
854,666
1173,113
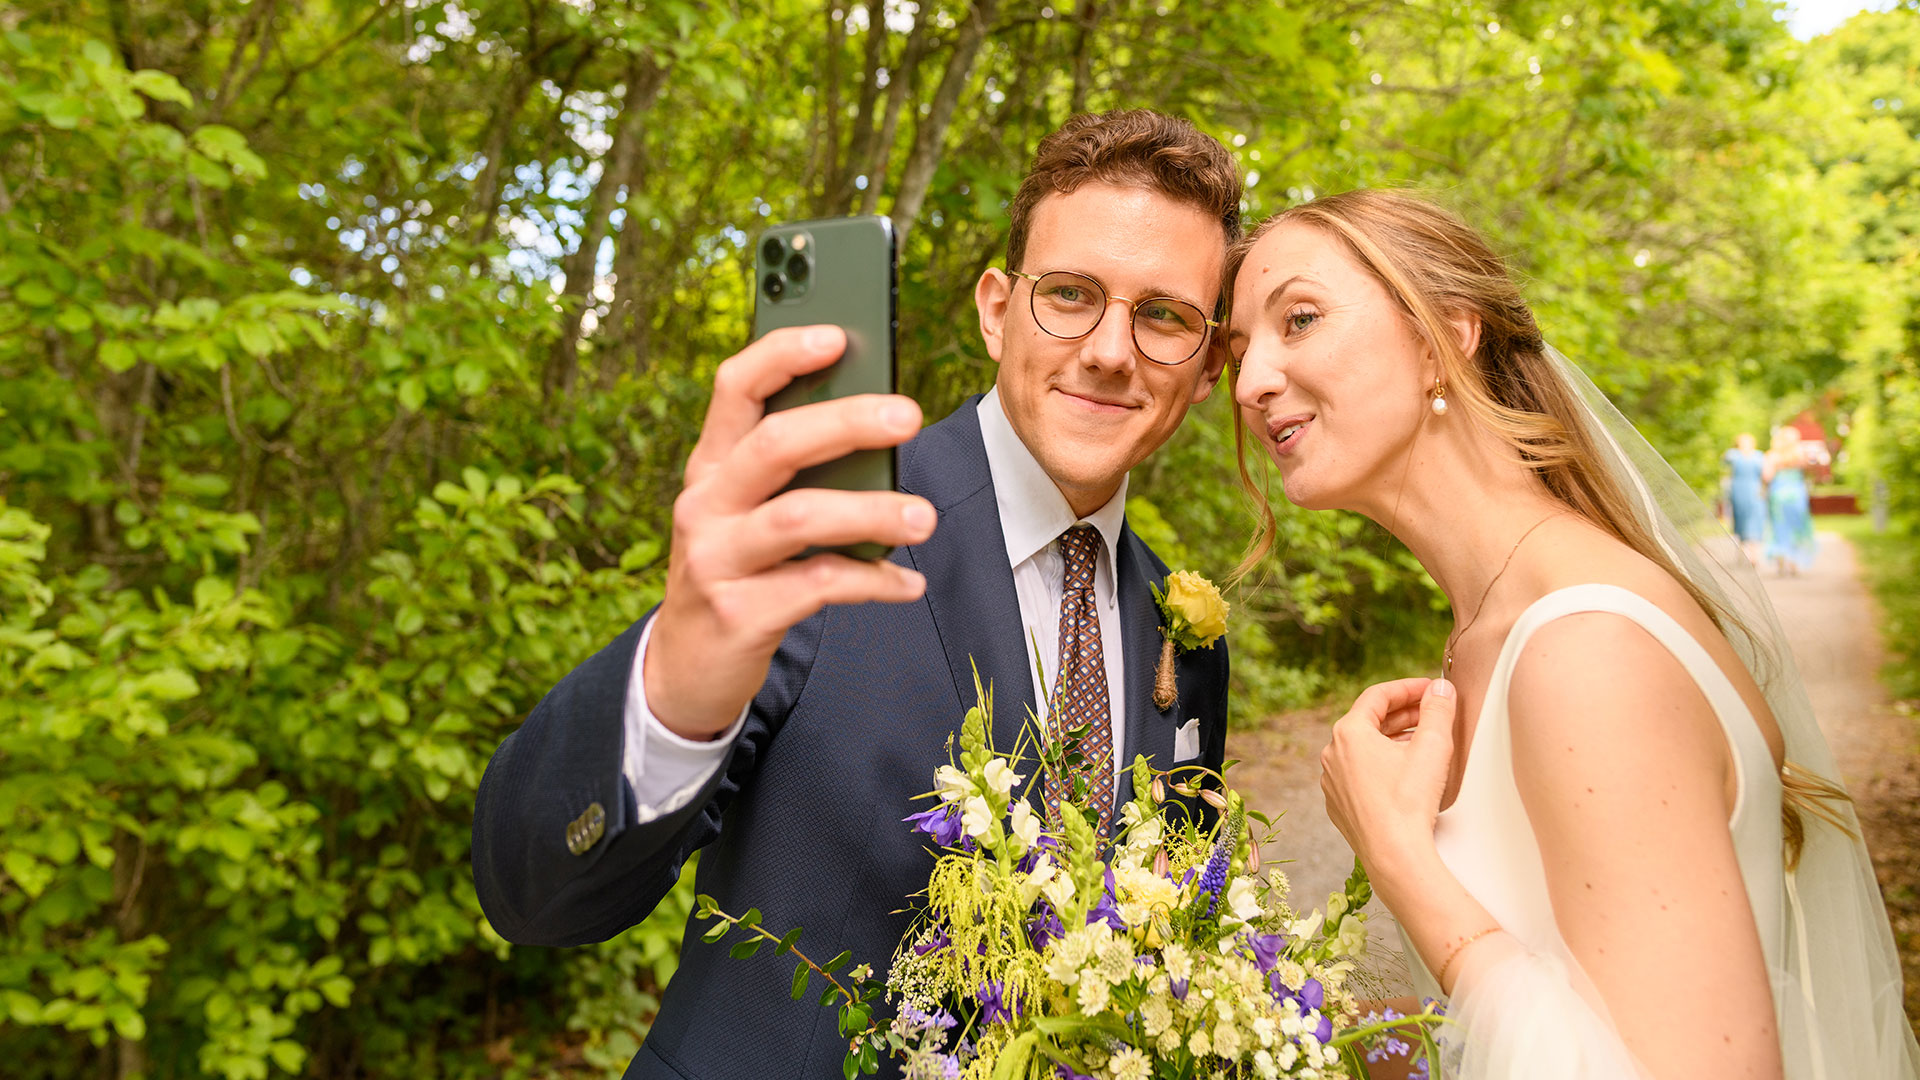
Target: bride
1604,829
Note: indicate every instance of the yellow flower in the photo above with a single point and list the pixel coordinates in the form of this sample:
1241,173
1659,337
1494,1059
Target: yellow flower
1195,600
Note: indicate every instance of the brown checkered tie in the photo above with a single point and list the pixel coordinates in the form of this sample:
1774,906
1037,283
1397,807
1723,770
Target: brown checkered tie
1080,696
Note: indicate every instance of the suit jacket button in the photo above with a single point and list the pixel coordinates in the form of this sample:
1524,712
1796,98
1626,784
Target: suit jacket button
586,830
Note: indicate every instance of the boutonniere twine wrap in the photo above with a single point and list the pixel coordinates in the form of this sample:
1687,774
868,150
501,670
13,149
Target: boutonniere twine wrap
1195,616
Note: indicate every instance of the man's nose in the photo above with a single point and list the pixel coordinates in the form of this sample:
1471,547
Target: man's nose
1110,345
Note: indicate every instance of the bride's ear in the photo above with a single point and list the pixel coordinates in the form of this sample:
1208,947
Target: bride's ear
1465,328
1466,331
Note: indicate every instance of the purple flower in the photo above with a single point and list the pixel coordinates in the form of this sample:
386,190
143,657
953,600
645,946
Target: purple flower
1313,995
939,941
1179,988
994,1008
920,1021
1324,1032
942,823
1392,1047
1266,949
1419,1070
1032,857
1105,909
1213,881
1044,927
1066,1073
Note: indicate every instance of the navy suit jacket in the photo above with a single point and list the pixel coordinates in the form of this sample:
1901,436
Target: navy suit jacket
804,819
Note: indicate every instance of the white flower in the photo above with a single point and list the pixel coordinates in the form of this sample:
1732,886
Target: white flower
1243,900
1336,905
1168,1042
1226,1041
1059,892
1307,927
976,817
1179,964
1289,1054
1263,1031
1024,826
1263,1064
1156,1013
1198,1044
1092,995
951,784
1351,938
1000,777
1037,878
1129,1064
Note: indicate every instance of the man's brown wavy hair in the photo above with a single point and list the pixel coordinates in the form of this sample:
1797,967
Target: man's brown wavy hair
1130,148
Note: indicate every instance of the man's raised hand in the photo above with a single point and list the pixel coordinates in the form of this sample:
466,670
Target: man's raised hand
732,591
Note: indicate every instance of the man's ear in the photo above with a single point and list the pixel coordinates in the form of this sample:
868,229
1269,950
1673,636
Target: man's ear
1215,359
991,295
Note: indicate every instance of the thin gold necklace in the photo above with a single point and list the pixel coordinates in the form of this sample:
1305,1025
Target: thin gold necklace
1446,658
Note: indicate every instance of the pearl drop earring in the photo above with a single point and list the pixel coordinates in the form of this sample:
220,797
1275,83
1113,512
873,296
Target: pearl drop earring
1439,398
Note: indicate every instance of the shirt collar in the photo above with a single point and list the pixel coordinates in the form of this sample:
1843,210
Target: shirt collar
1033,513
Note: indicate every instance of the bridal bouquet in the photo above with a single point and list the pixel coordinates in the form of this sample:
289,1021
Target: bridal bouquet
1032,956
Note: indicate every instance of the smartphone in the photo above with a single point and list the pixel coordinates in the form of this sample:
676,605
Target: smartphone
839,271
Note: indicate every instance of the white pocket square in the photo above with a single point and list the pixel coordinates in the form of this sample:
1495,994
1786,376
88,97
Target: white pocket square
1186,740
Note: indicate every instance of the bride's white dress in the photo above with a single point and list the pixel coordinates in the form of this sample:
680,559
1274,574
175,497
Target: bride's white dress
1531,1014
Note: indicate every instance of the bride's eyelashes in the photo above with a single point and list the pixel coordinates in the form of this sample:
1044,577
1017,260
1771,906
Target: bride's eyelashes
1299,320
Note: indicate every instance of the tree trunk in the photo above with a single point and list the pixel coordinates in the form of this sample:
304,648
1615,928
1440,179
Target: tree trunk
645,78
930,135
899,90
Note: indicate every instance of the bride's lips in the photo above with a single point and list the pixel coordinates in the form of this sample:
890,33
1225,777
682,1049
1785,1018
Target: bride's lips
1284,433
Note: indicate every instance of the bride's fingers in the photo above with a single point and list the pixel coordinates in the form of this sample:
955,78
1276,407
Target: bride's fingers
1381,700
1399,723
1434,734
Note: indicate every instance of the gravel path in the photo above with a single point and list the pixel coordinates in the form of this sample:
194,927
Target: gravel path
1830,623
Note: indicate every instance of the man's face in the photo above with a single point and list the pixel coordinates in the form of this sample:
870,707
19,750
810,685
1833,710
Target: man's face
1092,408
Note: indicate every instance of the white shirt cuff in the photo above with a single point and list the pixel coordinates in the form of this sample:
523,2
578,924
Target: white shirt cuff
665,770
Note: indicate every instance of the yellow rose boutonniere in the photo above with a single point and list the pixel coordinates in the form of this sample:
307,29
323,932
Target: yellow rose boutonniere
1195,615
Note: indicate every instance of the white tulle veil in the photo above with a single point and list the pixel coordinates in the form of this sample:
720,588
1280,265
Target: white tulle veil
1837,986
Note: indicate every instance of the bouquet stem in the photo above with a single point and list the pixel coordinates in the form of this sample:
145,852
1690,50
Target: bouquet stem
1164,689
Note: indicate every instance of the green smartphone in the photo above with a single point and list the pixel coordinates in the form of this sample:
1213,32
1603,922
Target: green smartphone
838,271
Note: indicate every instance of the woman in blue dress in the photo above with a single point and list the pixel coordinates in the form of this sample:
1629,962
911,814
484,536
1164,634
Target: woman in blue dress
1792,546
1747,494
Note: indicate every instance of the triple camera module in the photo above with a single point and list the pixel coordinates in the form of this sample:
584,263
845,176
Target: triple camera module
786,267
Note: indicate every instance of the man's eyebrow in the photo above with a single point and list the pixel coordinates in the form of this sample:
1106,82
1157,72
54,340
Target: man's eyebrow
1170,293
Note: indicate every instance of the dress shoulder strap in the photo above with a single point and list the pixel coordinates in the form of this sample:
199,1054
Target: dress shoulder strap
1736,720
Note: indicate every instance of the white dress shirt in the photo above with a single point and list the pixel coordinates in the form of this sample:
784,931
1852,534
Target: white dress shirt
666,770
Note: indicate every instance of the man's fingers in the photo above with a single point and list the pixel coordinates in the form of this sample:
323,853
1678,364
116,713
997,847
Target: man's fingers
783,443
789,593
788,524
745,380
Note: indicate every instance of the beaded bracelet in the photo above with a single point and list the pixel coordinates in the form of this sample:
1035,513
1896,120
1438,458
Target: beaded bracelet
1441,978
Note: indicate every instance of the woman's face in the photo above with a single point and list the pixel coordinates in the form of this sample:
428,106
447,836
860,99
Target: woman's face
1332,380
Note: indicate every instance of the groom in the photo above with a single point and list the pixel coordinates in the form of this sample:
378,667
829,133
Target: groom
766,712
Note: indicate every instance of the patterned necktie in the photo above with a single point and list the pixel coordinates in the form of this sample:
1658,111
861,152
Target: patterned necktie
1080,695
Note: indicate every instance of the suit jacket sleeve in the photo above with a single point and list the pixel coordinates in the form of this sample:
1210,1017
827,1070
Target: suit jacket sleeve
566,759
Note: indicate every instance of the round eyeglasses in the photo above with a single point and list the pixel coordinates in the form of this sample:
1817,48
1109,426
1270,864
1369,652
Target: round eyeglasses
1166,330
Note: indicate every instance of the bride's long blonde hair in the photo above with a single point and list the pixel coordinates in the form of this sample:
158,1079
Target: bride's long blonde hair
1436,267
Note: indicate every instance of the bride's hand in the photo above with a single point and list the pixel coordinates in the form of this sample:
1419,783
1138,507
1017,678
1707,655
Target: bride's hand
1385,769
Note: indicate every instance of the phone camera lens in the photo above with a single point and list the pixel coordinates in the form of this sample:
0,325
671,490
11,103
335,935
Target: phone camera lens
797,267
772,250
773,285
